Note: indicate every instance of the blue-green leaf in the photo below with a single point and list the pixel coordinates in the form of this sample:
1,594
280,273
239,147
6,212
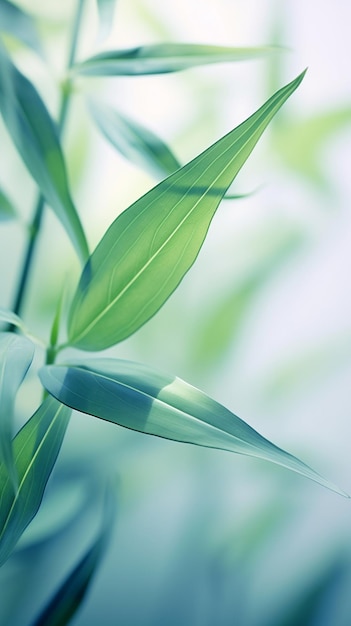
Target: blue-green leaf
9,317
138,144
7,210
106,9
164,58
148,249
69,596
36,139
21,25
133,396
35,449
16,355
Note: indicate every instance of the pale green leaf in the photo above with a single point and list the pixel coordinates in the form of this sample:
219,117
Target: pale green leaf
16,355
135,142
164,58
21,25
7,210
301,143
69,596
222,320
148,249
133,396
36,139
106,9
35,449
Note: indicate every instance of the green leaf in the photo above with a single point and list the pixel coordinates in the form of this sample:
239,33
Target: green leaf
68,598
11,318
134,396
21,25
7,210
16,355
222,322
135,142
36,139
300,143
164,58
35,449
148,249
106,9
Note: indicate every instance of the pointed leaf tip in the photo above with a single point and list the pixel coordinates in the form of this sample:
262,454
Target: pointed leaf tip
137,397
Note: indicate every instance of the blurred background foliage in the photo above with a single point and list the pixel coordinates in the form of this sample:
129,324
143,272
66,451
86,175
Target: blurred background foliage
261,323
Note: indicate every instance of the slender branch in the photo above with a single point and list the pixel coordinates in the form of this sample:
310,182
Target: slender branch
40,202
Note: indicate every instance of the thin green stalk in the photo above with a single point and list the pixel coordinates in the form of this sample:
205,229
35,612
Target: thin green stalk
40,202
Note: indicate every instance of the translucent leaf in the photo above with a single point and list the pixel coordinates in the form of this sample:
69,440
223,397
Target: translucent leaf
16,355
106,10
35,449
68,598
164,58
133,396
148,249
138,144
36,139
7,210
21,25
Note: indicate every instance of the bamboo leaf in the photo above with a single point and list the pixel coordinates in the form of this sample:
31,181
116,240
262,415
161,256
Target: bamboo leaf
16,355
164,58
135,142
149,247
36,139
35,449
69,596
7,210
11,318
21,25
136,397
106,9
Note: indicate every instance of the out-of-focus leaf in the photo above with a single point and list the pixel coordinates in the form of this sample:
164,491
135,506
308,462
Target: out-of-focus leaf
300,143
36,139
35,449
138,144
7,210
106,9
313,600
21,25
68,598
136,397
308,367
164,58
217,330
16,355
148,249
65,503
11,318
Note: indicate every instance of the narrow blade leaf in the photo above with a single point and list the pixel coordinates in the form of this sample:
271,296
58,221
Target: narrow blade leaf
16,355
148,249
106,9
9,317
7,210
133,396
135,142
35,449
36,139
69,596
21,25
164,58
